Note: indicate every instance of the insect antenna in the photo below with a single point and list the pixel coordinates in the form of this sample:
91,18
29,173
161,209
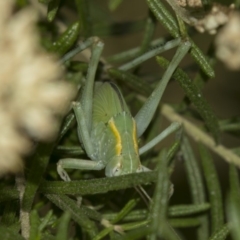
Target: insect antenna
143,194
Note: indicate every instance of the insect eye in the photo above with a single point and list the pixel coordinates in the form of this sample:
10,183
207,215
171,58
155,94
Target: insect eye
116,171
113,168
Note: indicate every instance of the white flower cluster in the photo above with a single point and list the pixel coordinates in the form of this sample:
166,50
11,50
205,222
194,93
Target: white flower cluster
212,20
228,42
190,3
31,95
219,19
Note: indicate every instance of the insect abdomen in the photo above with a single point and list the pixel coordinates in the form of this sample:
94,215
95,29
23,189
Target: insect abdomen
122,139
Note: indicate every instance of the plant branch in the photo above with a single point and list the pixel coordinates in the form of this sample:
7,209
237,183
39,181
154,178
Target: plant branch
200,136
24,216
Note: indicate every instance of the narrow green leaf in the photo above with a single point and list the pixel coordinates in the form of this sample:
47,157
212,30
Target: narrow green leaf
233,204
72,150
188,209
169,233
233,127
150,26
124,227
34,222
214,189
151,53
100,185
196,97
135,215
134,52
126,209
194,175
168,21
184,222
221,234
9,216
39,164
236,150
53,7
173,150
45,220
137,233
84,17
234,182
202,60
67,204
173,211
8,194
162,15
104,233
230,125
62,232
79,48
78,66
233,212
196,185
9,234
67,123
159,206
130,226
91,213
66,40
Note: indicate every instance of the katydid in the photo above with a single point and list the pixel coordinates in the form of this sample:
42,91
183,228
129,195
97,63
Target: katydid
107,130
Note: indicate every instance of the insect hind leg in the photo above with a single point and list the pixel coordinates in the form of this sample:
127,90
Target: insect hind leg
145,114
172,128
74,163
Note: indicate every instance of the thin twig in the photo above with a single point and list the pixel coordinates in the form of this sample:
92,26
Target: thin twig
24,216
200,136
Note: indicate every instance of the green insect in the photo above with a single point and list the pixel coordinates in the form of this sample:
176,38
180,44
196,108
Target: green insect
107,130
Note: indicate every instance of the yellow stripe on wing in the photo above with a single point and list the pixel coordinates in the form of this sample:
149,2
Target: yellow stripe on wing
117,135
135,136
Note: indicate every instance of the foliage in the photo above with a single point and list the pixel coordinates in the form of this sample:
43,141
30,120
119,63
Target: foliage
41,206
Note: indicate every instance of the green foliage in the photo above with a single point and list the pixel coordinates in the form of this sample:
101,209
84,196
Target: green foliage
95,207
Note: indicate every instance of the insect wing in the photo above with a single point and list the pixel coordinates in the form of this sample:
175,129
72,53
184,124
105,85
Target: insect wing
108,101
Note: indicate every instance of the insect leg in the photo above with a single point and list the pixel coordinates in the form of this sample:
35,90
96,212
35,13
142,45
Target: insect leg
152,53
87,95
81,46
173,127
73,163
145,114
83,133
